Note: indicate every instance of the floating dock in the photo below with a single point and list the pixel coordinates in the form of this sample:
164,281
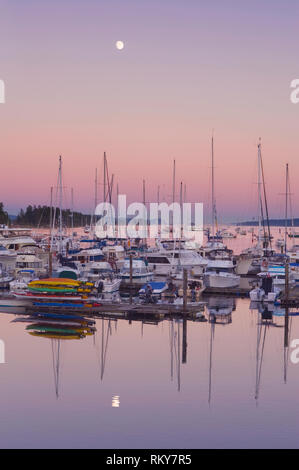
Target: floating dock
159,310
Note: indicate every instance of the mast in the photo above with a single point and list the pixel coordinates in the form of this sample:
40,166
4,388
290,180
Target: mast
60,203
259,195
181,208
72,197
51,210
143,197
214,217
286,209
104,182
96,189
173,182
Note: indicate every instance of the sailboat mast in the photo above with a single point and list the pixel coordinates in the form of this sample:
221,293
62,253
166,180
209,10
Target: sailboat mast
72,196
104,183
259,194
173,182
51,211
286,209
60,204
213,190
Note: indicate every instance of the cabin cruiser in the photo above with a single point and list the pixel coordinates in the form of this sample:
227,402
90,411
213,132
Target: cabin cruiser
164,263
5,279
103,276
7,259
30,261
220,274
114,254
140,271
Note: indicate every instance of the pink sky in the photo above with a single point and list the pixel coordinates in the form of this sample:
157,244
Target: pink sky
184,71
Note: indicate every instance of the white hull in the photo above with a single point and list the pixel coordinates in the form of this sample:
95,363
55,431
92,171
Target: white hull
221,280
138,279
243,266
112,286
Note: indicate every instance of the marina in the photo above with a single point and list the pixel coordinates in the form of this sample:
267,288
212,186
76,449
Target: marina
149,228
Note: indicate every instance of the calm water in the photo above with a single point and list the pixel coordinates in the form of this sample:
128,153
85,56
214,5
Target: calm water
127,386
225,395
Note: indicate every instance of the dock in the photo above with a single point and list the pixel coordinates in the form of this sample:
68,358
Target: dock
159,310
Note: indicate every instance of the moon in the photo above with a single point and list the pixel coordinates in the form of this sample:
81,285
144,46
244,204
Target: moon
119,45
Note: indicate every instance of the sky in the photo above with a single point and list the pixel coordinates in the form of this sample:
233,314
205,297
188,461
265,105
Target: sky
189,68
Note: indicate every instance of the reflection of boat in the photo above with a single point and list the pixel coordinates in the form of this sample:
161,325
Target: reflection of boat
69,330
220,309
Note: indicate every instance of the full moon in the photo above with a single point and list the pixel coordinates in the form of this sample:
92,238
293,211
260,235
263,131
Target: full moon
119,45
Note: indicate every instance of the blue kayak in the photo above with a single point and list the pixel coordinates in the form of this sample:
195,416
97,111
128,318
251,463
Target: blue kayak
57,304
59,315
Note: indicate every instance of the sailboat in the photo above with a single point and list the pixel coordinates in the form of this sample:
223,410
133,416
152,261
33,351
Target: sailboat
220,269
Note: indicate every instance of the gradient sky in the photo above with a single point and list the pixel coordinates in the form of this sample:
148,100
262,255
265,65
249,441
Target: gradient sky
188,67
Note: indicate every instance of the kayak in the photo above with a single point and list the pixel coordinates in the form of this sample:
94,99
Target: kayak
53,329
60,282
55,282
47,321
52,336
62,316
54,290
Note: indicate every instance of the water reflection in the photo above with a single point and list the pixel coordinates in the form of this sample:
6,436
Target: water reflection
219,309
270,316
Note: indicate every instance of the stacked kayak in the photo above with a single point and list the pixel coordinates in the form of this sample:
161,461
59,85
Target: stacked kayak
58,289
60,286
56,326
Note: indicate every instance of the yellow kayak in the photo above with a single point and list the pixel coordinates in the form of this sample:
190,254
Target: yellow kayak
55,282
53,336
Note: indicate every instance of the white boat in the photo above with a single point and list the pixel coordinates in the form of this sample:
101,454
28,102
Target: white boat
24,276
220,274
103,276
227,234
115,254
30,261
164,263
140,272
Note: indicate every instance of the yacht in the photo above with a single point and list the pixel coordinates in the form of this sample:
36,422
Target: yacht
103,276
164,263
140,272
220,274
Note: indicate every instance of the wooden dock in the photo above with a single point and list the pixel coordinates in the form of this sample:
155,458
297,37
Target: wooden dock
236,291
159,310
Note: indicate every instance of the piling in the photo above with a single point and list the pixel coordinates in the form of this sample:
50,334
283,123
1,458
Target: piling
50,264
286,318
185,288
131,277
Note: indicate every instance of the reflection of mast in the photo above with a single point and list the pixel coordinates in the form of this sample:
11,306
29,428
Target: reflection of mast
171,340
55,344
104,345
259,356
287,327
210,362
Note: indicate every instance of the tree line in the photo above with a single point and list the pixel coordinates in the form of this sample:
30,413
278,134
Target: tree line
42,216
4,218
